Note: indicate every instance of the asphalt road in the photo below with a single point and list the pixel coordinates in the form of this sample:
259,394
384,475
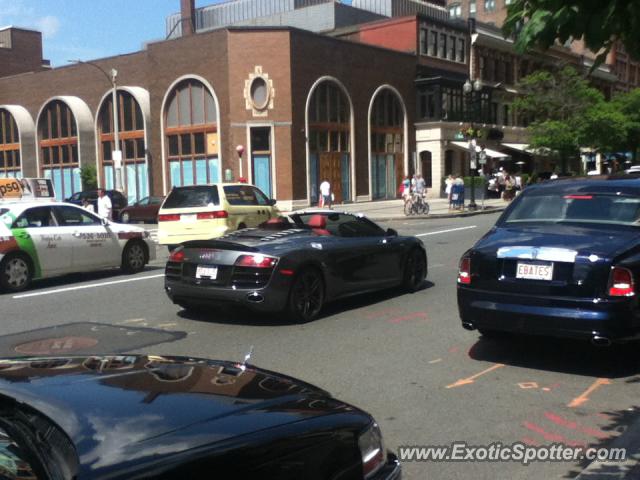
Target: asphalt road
402,357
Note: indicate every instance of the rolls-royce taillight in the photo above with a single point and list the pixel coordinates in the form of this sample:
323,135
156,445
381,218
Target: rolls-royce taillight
464,271
621,282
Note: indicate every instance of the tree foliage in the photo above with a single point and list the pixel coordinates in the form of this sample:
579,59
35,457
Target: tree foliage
600,23
566,113
89,177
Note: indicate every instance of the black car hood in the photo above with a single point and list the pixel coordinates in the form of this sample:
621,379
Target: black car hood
117,409
604,242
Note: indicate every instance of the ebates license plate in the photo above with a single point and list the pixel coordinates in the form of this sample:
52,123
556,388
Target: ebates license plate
188,218
208,272
534,272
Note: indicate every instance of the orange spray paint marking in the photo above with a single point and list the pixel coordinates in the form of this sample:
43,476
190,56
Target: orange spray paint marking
584,397
471,379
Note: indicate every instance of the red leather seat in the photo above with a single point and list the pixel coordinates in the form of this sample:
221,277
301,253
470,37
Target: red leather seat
318,224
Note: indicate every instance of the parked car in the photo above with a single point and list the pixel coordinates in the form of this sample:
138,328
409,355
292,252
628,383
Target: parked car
145,210
562,260
42,240
201,212
143,417
295,264
118,200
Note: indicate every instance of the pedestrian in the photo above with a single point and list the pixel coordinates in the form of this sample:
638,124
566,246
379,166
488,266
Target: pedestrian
406,189
87,206
325,193
509,188
105,208
421,186
448,183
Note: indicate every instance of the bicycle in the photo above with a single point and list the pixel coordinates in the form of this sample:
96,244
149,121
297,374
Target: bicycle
416,205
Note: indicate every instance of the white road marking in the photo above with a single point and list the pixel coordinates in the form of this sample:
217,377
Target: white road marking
165,325
446,231
83,287
133,320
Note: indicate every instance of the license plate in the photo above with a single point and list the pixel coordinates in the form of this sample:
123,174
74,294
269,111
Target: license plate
188,218
531,271
208,272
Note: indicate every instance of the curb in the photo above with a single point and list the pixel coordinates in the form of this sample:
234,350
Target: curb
626,470
486,211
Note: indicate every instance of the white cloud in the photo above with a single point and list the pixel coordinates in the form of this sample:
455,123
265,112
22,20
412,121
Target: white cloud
18,14
48,25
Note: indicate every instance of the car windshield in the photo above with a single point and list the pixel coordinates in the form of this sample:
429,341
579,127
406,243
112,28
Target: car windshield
607,208
196,196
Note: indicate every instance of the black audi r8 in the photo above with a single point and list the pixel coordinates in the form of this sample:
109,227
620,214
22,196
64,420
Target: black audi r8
295,264
562,260
150,417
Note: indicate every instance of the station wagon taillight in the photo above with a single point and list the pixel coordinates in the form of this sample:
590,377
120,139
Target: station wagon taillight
169,217
212,215
464,271
256,261
621,282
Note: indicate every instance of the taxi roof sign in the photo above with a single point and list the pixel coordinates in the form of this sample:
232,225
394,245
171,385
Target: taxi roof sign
12,189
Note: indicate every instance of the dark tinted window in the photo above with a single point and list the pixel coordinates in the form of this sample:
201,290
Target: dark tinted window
35,218
242,195
70,216
581,207
155,200
195,196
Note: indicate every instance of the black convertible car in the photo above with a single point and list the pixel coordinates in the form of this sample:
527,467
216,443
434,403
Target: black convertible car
148,417
295,264
562,260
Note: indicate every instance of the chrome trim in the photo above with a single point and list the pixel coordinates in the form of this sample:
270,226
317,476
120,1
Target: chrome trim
549,254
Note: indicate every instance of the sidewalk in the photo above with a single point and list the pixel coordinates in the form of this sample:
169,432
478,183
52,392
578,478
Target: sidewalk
382,210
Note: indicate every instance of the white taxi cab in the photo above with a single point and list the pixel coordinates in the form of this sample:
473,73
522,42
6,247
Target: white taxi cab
45,239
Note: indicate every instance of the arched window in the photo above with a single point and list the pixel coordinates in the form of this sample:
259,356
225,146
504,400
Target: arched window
387,144
135,179
9,146
58,143
191,135
329,140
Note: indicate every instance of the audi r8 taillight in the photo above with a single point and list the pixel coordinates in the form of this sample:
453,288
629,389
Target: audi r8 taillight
177,255
256,261
464,271
621,282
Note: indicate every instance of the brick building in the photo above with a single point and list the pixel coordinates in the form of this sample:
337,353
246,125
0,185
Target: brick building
20,51
303,106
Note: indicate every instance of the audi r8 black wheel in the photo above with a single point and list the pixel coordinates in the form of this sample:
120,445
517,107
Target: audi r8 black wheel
415,270
134,257
306,296
16,272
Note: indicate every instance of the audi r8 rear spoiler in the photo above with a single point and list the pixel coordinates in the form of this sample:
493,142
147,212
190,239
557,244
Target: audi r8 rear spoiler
219,244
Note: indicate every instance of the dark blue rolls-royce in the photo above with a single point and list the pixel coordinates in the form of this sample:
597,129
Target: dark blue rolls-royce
562,260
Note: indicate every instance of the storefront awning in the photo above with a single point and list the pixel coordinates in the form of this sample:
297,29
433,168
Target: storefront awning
520,147
490,153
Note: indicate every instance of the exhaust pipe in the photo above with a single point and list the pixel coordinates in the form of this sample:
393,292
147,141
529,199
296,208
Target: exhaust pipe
468,325
599,341
255,297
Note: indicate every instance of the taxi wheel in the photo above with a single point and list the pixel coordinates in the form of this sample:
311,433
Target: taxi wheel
134,257
306,296
415,271
15,273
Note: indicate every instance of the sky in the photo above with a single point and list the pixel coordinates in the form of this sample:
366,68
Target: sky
91,29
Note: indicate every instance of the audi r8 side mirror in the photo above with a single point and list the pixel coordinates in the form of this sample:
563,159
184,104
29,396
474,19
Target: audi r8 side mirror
391,232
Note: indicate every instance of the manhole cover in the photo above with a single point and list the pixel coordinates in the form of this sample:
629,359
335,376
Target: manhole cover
55,346
84,338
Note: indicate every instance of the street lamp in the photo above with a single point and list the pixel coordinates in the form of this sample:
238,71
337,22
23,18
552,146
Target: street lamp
116,154
471,89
